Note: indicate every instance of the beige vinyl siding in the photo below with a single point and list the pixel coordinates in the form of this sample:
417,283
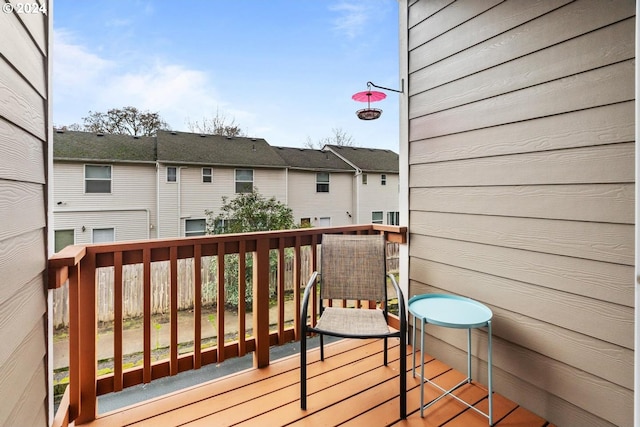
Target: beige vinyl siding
521,193
23,189
307,203
129,208
195,197
377,197
168,218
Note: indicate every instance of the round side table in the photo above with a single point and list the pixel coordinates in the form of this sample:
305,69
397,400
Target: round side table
451,311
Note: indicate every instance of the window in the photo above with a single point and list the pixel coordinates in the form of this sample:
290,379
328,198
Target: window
207,175
223,226
97,178
324,221
322,182
103,235
383,179
62,239
172,174
365,178
244,180
305,222
376,217
393,218
195,227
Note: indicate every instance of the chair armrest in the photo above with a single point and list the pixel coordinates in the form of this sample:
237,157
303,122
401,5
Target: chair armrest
401,305
305,300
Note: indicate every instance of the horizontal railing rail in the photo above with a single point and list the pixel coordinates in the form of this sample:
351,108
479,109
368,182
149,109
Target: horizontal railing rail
78,265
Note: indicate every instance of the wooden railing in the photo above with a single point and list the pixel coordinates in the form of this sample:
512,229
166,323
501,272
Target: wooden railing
78,264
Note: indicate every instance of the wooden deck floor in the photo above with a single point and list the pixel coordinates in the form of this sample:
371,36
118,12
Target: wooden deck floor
350,387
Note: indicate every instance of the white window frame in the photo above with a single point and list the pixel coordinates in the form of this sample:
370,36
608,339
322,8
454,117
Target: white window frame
323,183
94,229
208,176
365,179
243,181
109,179
73,232
198,232
175,175
377,221
383,179
393,218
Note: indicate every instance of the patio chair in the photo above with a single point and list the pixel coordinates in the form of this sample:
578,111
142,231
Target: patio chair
353,267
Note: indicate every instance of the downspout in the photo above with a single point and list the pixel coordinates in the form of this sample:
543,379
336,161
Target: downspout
179,179
157,200
357,183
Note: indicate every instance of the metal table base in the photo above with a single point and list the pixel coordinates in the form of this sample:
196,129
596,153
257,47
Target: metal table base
424,319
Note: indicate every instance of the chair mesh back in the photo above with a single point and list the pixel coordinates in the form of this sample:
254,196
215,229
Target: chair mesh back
353,267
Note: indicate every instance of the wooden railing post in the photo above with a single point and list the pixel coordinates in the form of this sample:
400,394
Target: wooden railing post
88,332
74,342
261,303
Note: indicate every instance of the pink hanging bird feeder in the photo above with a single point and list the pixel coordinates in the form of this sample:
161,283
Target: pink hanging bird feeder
370,96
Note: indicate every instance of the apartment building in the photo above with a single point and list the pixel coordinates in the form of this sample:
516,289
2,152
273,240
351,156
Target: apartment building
119,187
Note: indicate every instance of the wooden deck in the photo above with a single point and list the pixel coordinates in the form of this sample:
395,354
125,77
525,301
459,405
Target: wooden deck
350,387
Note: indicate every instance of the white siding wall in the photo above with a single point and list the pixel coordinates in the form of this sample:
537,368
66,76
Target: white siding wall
192,197
521,192
307,203
25,151
130,208
377,197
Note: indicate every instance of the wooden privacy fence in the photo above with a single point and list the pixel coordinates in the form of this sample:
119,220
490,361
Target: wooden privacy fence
132,278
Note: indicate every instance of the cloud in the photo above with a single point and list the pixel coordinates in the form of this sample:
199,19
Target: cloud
352,18
84,81
73,64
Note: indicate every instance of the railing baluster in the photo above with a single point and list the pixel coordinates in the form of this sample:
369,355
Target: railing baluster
220,303
117,321
314,267
281,295
297,273
197,307
242,300
146,290
173,286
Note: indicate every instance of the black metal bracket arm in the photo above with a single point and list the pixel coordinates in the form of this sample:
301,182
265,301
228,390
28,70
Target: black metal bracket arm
369,84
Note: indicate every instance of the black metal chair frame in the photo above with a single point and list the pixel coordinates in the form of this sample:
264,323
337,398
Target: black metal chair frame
307,329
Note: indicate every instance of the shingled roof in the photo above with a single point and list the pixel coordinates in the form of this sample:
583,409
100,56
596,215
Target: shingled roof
192,148
215,150
370,160
311,159
86,146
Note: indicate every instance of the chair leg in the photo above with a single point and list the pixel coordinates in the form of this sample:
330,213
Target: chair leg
303,370
403,375
322,347
385,351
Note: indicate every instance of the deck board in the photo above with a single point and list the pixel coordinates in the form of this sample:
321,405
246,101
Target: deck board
351,387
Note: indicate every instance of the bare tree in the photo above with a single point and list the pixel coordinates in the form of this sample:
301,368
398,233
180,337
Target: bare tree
124,121
339,137
216,125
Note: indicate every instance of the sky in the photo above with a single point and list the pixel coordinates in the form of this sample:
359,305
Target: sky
284,70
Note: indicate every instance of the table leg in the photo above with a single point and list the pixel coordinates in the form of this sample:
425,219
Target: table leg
490,373
413,346
469,355
422,368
